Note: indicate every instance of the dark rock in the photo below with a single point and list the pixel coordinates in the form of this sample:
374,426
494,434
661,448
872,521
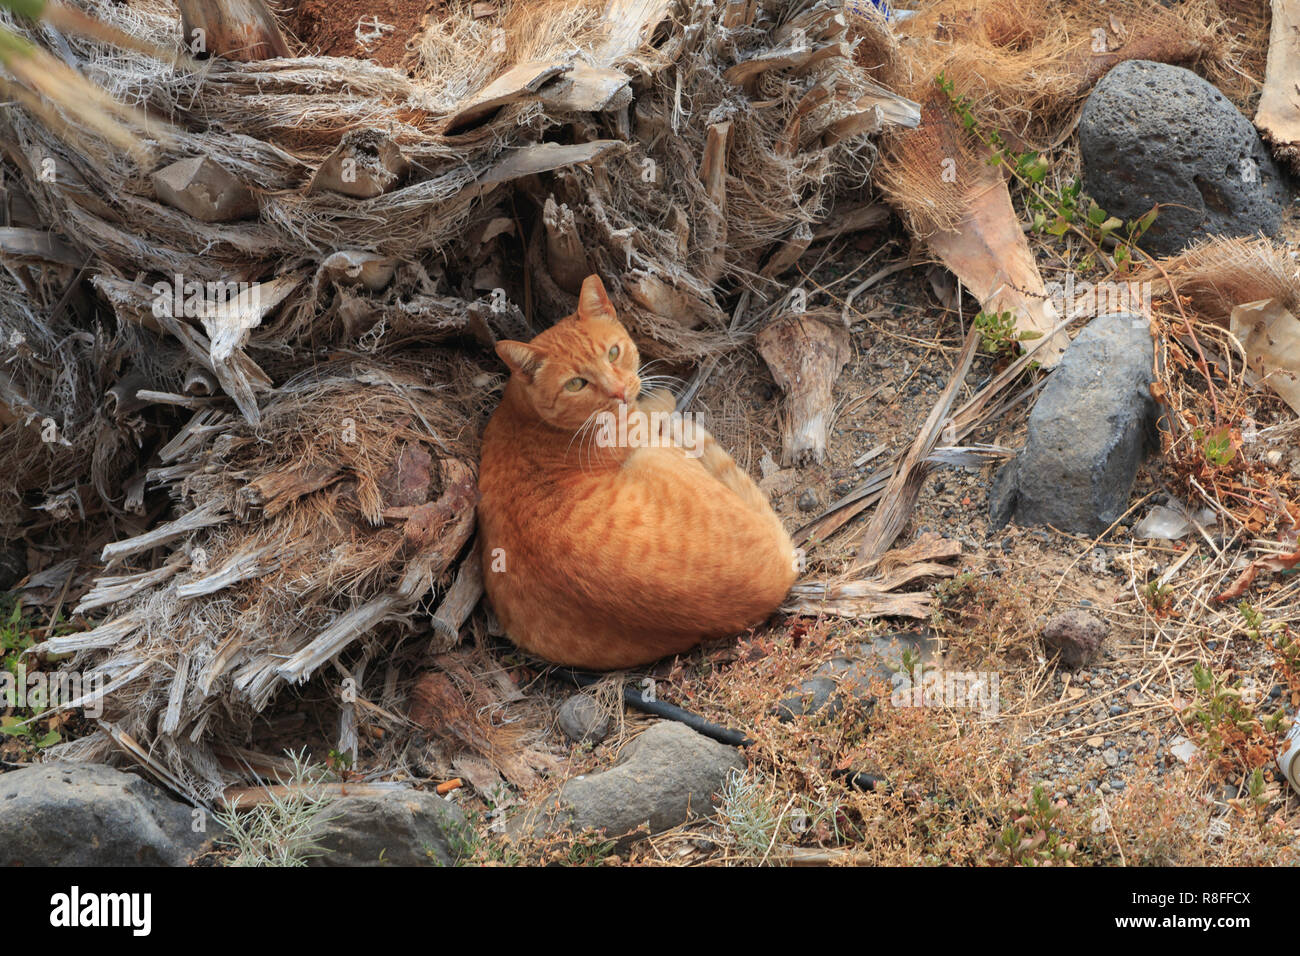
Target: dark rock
401,828
1075,635
664,777
583,720
808,500
1153,133
82,814
1089,431
853,672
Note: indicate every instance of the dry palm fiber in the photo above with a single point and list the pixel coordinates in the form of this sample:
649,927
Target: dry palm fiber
1218,274
70,427
272,124
337,514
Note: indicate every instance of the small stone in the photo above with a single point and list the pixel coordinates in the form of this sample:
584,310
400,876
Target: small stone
400,828
665,776
1183,749
583,720
808,500
1074,635
1111,758
853,672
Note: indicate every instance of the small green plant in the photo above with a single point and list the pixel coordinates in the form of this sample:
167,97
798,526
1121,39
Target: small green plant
22,724
1231,733
1215,445
1159,596
998,333
282,831
588,849
1033,837
1052,211
748,814
1253,618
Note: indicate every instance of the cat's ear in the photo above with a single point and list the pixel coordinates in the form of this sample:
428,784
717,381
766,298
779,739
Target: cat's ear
520,357
593,301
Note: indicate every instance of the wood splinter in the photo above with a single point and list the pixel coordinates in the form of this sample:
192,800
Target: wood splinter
805,353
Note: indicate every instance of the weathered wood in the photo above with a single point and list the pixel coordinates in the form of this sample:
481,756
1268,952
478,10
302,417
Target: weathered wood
1278,115
241,30
711,229
565,256
805,354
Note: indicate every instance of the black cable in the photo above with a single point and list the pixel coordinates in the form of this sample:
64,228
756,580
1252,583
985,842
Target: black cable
733,738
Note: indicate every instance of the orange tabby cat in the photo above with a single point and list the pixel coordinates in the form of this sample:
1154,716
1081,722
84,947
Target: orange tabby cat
608,550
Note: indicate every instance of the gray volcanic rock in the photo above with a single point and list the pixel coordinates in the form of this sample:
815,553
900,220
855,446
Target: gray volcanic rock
400,828
665,777
1153,133
83,814
1091,428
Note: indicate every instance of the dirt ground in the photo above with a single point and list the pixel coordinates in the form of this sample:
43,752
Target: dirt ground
367,29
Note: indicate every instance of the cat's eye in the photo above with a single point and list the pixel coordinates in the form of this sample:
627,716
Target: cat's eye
613,352
575,384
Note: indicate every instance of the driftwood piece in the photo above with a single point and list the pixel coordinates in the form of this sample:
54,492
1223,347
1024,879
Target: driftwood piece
629,24
228,325
205,190
586,89
1278,115
711,229
746,73
246,798
458,602
788,252
805,353
365,164
899,496
855,218
545,157
565,256
37,244
878,596
241,30
738,13
204,517
873,112
519,83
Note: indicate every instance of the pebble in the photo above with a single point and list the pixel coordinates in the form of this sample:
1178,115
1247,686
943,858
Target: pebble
808,500
583,720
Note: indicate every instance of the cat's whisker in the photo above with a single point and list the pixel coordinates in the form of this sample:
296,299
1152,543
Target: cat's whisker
574,437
